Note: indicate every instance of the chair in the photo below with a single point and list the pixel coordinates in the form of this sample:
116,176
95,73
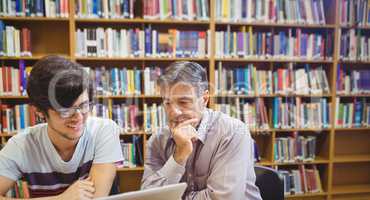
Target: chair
270,183
115,186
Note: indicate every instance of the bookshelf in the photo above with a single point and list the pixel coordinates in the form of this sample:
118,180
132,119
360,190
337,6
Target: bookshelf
342,153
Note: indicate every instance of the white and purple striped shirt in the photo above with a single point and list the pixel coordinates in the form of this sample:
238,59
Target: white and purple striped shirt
32,157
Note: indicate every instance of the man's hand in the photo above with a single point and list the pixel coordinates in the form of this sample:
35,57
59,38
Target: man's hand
184,134
79,190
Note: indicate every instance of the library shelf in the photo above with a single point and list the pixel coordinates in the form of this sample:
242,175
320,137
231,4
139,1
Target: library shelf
13,97
352,129
140,21
351,158
351,188
127,169
140,59
318,160
128,96
280,25
306,195
301,130
274,60
40,19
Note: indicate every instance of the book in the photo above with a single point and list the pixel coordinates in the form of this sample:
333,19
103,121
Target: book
141,43
279,11
293,43
305,179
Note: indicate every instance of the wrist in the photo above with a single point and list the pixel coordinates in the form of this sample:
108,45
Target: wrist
180,158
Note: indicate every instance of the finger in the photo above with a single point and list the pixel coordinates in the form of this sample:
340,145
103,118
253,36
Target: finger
85,182
187,122
88,188
88,195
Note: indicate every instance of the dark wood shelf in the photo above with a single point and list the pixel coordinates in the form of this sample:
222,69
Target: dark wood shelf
306,195
141,21
281,25
40,19
127,169
353,188
272,60
140,59
351,158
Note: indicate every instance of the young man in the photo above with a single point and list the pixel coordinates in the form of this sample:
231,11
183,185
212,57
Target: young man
208,150
72,156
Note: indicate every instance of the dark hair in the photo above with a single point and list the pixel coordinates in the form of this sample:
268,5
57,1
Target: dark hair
57,82
187,72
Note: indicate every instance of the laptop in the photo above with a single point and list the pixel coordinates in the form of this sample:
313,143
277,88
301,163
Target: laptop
173,192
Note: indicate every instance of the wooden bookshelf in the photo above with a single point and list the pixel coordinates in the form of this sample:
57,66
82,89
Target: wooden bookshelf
140,21
286,25
337,154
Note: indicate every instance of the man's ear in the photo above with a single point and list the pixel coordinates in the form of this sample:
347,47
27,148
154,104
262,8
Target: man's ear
40,114
205,98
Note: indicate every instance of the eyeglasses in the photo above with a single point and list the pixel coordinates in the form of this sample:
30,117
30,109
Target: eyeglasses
69,112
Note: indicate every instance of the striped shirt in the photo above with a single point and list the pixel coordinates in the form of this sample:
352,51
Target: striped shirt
31,156
221,165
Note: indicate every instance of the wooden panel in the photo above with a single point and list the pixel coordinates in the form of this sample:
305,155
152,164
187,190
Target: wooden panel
350,143
351,173
130,180
352,197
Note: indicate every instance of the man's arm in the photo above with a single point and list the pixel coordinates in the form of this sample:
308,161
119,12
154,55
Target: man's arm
232,175
102,176
82,189
157,171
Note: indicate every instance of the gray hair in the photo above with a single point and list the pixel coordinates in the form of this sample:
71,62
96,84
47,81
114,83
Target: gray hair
187,72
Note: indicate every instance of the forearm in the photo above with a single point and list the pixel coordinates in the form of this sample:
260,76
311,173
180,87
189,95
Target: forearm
170,173
41,198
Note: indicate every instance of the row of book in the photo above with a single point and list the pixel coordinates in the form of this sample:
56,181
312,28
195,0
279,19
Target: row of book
17,117
299,79
154,117
130,118
290,112
125,115
13,80
271,11
14,42
34,8
352,81
291,44
352,114
110,42
354,12
294,148
354,45
125,81
19,190
254,114
302,180
112,9
176,9
132,152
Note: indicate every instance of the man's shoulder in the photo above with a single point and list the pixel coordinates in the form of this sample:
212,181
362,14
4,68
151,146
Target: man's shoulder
226,126
224,121
28,138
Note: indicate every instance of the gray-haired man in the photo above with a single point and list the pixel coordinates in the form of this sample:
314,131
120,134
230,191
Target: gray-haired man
208,150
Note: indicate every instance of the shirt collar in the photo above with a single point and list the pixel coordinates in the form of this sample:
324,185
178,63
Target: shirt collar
203,126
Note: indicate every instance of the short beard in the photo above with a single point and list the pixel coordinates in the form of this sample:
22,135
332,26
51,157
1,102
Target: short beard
65,136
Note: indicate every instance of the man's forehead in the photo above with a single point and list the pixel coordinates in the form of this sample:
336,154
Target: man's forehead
178,89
